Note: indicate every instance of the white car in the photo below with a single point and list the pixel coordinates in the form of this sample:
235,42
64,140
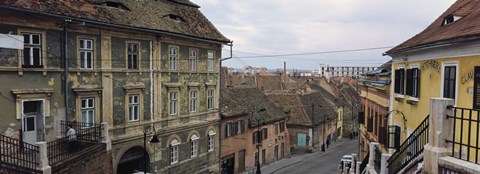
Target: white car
347,158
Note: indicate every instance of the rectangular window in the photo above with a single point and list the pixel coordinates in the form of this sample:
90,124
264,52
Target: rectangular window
173,103
210,61
133,107
277,128
132,55
173,58
210,99
87,107
211,142
413,82
193,60
394,136
240,126
32,51
194,147
228,129
399,81
86,53
193,101
449,81
282,126
174,154
264,134
255,137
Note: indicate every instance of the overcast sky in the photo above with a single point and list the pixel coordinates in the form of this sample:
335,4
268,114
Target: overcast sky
279,27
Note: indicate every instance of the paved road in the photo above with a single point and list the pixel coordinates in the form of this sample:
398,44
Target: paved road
323,162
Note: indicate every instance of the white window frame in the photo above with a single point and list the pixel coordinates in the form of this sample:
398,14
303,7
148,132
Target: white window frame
450,63
210,62
132,54
87,109
173,57
194,146
133,107
31,46
193,59
210,99
174,152
173,102
211,140
400,66
413,66
85,51
193,101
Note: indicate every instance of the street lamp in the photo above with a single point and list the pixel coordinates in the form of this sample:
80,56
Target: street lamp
257,120
153,140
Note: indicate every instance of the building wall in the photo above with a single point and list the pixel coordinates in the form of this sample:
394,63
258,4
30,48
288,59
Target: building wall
431,84
234,144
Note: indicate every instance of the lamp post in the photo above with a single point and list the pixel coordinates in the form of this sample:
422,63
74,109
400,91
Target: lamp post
153,140
257,120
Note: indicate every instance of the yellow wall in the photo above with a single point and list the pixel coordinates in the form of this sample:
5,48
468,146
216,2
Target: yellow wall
430,86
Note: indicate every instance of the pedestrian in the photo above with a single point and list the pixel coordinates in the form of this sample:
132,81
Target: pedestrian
72,139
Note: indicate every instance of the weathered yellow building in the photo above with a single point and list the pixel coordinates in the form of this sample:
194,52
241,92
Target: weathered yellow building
441,61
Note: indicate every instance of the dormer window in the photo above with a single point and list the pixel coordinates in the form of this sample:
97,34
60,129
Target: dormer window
174,17
116,5
451,19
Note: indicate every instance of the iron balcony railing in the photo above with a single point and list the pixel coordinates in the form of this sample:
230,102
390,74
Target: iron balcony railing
410,149
18,154
364,163
466,130
87,135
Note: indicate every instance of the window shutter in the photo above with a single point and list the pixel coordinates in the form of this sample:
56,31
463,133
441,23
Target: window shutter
418,82
397,81
409,82
397,137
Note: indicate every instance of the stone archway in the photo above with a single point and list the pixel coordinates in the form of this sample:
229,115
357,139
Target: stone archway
133,161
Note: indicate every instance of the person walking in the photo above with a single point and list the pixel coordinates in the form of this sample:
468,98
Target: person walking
72,139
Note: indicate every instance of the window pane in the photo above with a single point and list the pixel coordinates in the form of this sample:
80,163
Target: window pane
26,56
30,124
89,44
26,38
89,60
36,56
36,39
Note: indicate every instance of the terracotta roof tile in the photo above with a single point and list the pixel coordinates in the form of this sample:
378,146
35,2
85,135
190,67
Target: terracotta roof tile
241,101
159,15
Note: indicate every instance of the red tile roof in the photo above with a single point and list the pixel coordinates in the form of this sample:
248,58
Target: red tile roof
464,29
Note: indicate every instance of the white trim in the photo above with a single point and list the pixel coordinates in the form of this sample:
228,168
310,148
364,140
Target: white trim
434,53
43,114
449,63
174,142
211,132
194,137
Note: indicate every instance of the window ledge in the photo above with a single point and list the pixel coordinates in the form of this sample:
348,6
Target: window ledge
399,97
412,101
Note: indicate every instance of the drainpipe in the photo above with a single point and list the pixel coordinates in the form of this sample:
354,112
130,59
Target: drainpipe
65,76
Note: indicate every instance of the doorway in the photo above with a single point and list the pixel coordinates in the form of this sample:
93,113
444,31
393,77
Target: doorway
228,165
32,121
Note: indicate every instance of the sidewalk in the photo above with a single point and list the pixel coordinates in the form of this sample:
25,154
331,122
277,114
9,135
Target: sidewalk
296,158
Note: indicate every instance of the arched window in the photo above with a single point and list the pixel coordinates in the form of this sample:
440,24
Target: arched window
174,151
194,145
211,140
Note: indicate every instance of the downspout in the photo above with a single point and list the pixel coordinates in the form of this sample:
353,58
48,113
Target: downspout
65,76
151,83
220,108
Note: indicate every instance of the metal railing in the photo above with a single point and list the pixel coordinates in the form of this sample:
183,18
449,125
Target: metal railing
364,163
410,149
21,155
86,136
466,130
378,159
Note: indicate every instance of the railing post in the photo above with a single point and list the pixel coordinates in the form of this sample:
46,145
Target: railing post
42,158
371,158
357,167
354,164
384,163
106,136
440,129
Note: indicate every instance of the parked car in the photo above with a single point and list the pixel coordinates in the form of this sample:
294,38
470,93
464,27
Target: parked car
346,163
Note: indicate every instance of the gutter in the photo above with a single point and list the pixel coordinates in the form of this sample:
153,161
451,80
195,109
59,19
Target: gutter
87,21
65,76
434,44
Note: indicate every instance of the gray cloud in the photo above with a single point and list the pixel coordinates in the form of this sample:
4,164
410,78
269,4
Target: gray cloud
281,27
